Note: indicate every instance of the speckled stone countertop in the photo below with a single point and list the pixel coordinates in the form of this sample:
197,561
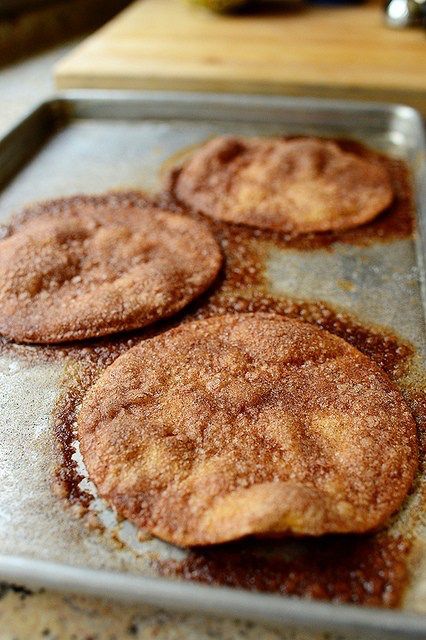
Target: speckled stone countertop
44,615
30,615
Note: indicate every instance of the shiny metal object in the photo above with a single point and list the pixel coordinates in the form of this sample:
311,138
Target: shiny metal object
93,141
405,13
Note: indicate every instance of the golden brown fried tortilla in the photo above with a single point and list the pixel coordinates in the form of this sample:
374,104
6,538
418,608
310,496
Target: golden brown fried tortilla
296,185
92,266
248,424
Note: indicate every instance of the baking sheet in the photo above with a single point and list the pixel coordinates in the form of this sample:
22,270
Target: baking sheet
94,142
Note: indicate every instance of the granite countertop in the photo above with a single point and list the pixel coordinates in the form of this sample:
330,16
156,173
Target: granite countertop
31,614
44,615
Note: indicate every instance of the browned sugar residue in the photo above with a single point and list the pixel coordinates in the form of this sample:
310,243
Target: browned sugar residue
396,222
67,476
367,570
81,371
416,400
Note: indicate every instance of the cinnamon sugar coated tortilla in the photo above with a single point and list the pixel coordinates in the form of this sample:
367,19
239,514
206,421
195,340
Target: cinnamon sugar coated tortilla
90,266
295,185
248,424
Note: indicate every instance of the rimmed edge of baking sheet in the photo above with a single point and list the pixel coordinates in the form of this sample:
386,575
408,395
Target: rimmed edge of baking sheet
184,596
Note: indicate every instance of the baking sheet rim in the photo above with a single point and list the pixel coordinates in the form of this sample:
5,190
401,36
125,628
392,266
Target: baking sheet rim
223,601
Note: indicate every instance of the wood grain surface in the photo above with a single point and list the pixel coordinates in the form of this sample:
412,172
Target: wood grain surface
312,50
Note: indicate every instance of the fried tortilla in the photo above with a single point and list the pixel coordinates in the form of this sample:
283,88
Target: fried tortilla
91,266
297,186
248,424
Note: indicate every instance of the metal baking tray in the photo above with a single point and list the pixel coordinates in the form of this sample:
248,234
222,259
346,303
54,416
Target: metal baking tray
90,142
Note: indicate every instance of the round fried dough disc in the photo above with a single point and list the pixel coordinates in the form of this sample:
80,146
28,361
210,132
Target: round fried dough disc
297,185
88,267
247,424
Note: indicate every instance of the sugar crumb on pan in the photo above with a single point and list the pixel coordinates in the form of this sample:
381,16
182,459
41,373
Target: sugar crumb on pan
91,266
248,424
296,185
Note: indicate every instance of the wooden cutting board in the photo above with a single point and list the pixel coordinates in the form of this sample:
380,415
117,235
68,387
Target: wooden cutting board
311,50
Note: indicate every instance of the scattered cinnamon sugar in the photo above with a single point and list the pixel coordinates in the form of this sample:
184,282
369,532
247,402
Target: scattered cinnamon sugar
92,522
416,400
68,478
